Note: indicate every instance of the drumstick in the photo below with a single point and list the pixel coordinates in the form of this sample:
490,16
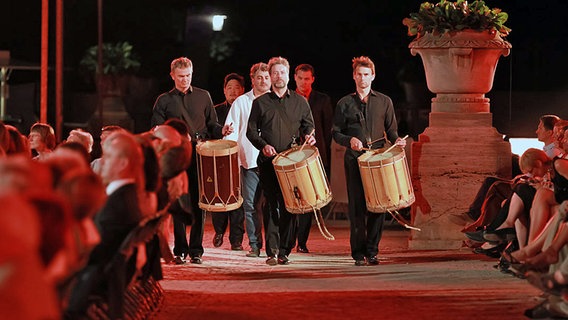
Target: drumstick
311,133
394,145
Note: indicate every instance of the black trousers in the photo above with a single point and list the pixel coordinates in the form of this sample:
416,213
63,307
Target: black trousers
235,219
366,227
278,222
476,205
195,246
303,226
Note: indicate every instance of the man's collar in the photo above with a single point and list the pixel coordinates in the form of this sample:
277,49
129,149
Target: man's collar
189,90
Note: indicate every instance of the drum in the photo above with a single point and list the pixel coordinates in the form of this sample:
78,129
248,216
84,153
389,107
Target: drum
302,179
218,175
386,180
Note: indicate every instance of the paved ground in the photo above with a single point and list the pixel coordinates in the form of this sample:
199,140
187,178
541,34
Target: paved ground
325,284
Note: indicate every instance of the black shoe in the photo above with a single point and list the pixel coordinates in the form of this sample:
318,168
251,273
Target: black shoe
218,240
196,260
283,260
500,235
271,261
540,311
476,236
494,252
373,261
179,260
360,262
302,249
237,247
254,253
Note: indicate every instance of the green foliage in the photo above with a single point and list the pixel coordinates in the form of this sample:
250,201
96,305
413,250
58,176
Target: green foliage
118,58
447,16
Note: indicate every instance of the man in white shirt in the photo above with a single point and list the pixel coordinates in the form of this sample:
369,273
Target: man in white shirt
238,115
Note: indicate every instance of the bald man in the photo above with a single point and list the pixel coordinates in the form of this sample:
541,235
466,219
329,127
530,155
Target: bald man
122,174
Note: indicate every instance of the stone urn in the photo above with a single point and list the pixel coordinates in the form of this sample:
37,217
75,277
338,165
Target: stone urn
460,147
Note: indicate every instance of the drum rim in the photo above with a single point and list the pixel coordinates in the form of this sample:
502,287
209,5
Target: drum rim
365,157
204,151
307,160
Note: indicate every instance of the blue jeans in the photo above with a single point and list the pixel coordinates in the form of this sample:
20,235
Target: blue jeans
251,195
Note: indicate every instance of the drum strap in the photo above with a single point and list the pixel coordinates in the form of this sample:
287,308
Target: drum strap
363,122
187,119
287,121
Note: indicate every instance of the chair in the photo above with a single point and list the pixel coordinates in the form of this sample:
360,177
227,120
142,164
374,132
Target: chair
124,298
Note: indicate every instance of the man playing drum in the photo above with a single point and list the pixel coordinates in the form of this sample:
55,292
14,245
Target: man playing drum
194,106
364,116
276,120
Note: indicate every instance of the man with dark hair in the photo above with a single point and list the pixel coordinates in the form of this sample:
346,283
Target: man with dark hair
322,111
233,86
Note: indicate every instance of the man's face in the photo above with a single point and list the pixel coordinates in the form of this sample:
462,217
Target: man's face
232,90
35,140
363,77
261,81
541,133
304,80
279,76
182,78
112,162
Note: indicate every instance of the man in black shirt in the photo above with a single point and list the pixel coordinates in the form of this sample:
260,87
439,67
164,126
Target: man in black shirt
194,106
233,87
277,119
363,117
322,111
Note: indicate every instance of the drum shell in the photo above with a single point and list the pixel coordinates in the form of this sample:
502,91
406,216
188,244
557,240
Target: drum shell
386,180
219,175
303,183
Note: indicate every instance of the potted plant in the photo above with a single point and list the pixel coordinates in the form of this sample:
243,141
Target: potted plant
118,60
460,44
447,16
448,35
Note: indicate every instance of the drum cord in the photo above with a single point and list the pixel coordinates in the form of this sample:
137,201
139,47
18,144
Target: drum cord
397,216
323,230
317,214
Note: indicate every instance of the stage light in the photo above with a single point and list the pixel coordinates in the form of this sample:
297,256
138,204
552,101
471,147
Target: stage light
218,21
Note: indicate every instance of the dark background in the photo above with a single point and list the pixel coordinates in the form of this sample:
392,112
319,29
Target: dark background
316,32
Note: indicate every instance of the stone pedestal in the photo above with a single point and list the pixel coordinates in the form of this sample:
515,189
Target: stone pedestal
449,161
460,147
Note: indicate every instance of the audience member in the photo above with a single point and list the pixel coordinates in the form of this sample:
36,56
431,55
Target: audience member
24,291
122,174
41,140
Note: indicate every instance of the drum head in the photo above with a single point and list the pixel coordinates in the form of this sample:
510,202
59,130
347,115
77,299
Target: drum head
294,156
217,147
381,156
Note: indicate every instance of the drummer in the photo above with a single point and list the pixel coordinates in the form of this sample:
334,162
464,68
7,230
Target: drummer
277,121
194,106
363,119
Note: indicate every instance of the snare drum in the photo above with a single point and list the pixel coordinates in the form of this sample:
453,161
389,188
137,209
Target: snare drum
386,180
302,179
218,175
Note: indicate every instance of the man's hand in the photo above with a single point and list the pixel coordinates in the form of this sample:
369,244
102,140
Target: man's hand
228,129
310,139
356,144
269,151
400,142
